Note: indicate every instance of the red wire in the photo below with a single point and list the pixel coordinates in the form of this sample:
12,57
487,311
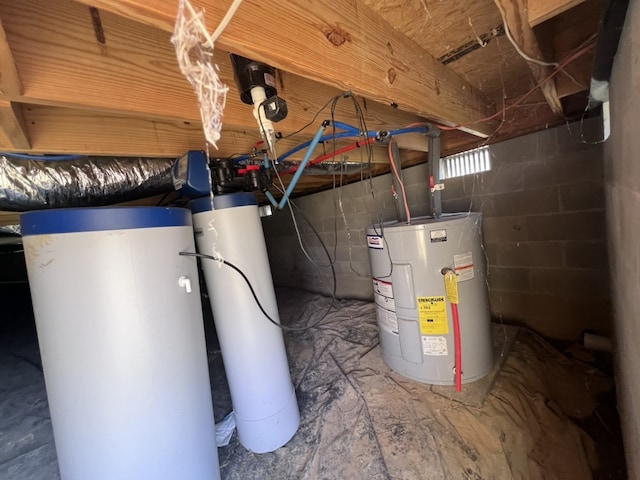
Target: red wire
458,346
557,70
328,156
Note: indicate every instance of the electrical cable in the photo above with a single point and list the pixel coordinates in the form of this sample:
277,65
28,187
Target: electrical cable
315,117
394,167
331,263
528,58
225,21
253,292
569,59
301,243
326,251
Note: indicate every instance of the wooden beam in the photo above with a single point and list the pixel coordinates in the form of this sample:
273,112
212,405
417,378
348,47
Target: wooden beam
514,14
570,31
345,45
62,64
13,127
65,130
9,218
10,83
539,11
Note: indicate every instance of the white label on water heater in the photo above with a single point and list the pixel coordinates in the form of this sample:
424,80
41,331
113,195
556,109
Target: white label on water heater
438,236
385,305
374,241
463,264
436,346
387,320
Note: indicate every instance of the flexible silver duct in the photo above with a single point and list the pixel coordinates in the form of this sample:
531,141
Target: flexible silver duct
27,184
10,230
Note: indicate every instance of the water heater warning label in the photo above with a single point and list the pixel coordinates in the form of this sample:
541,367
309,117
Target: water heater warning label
463,263
433,315
434,346
375,242
385,305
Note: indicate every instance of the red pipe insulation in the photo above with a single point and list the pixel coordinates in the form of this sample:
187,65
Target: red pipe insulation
458,346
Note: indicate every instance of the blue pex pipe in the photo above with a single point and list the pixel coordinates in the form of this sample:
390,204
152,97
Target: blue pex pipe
350,133
325,138
402,131
269,196
298,174
347,127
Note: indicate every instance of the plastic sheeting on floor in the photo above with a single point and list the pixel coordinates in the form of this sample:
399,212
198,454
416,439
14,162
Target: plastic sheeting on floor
360,420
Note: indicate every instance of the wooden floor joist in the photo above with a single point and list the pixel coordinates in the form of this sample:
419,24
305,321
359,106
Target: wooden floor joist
539,11
359,52
13,127
515,16
63,65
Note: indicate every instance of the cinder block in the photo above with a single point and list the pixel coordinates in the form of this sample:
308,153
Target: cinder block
525,306
332,224
526,202
527,148
501,178
491,251
509,279
582,196
569,282
458,205
583,135
592,255
418,194
357,269
357,253
354,222
416,175
504,229
529,254
453,188
569,168
351,286
422,210
549,315
567,226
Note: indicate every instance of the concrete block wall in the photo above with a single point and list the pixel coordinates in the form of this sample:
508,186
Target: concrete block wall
623,222
544,230
544,233
340,218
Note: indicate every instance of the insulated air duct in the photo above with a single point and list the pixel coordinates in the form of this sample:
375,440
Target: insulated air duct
27,184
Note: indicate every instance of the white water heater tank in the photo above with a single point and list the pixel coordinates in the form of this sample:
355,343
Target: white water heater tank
414,316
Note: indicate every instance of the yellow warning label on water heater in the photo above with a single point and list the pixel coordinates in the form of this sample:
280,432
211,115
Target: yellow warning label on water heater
433,315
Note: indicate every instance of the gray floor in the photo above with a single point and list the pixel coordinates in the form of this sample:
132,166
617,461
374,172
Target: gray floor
360,420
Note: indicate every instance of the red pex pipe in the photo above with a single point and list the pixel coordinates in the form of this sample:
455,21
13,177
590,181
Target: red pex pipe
328,156
458,346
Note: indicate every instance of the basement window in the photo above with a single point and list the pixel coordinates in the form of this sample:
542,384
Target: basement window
465,163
